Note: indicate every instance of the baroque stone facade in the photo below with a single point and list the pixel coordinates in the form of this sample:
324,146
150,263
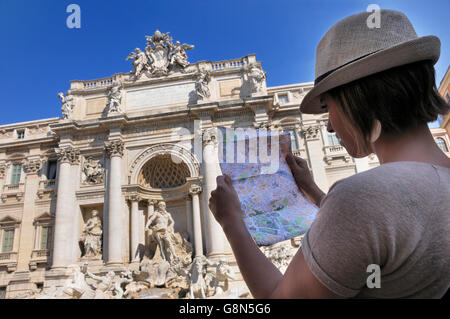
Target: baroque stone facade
111,199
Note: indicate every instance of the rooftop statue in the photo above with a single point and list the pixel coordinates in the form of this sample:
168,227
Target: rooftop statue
67,105
160,57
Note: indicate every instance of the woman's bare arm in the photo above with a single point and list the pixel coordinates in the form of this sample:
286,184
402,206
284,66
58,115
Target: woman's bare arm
262,277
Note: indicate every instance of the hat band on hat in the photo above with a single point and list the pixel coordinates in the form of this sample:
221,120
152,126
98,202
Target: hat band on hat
323,76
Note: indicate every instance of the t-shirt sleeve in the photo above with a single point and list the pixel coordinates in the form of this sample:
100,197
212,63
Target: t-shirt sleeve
343,239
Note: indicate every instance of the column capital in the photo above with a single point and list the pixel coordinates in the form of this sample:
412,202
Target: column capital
311,132
195,189
152,202
114,148
68,155
134,197
32,166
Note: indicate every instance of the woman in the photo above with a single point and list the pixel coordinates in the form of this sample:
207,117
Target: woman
379,89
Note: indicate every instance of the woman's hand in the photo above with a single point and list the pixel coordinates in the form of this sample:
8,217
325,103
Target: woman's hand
224,202
300,170
304,179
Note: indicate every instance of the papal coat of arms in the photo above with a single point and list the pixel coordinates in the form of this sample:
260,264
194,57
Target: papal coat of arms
160,57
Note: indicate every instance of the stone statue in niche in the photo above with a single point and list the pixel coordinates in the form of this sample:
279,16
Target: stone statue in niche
255,76
161,229
93,171
115,98
92,236
140,62
201,85
67,105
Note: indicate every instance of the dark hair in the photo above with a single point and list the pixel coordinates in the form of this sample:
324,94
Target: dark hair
401,98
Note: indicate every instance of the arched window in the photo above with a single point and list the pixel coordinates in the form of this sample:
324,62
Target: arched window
332,139
441,143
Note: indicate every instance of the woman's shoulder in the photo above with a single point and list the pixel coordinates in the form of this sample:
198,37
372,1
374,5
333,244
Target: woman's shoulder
393,182
397,173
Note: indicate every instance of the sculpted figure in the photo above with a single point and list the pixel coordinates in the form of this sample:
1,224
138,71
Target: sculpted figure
256,77
197,287
104,286
201,85
115,98
67,105
139,63
219,280
158,50
78,288
179,56
125,278
94,171
92,236
161,229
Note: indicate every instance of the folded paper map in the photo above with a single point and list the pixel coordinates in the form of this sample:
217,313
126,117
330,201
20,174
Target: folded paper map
273,208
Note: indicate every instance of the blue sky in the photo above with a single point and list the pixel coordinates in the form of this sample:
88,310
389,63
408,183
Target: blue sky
39,55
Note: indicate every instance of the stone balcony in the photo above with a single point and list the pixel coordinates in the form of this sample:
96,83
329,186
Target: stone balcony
9,260
39,256
46,187
13,190
335,152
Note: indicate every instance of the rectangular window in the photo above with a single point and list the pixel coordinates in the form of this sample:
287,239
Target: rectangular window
7,240
2,292
294,145
283,99
16,172
332,139
45,237
21,134
51,169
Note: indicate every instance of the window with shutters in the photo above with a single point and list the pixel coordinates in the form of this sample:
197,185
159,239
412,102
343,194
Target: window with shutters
2,292
15,174
7,240
45,237
294,144
332,139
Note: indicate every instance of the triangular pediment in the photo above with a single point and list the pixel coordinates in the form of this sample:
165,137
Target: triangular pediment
44,216
9,220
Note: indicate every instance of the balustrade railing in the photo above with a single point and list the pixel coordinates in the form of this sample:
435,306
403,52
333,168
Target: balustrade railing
228,64
50,183
9,256
13,188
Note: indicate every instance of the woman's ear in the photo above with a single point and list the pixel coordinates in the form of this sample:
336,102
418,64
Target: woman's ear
376,131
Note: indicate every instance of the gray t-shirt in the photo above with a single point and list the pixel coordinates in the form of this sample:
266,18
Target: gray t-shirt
397,216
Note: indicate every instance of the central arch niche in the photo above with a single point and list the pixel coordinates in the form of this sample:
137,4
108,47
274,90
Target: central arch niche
161,172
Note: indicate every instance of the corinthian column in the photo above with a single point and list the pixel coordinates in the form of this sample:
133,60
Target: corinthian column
194,191
114,150
64,208
216,242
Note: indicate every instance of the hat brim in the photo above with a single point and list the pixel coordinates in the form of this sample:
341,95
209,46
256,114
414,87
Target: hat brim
424,48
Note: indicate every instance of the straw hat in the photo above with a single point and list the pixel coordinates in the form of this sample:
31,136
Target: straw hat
351,50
